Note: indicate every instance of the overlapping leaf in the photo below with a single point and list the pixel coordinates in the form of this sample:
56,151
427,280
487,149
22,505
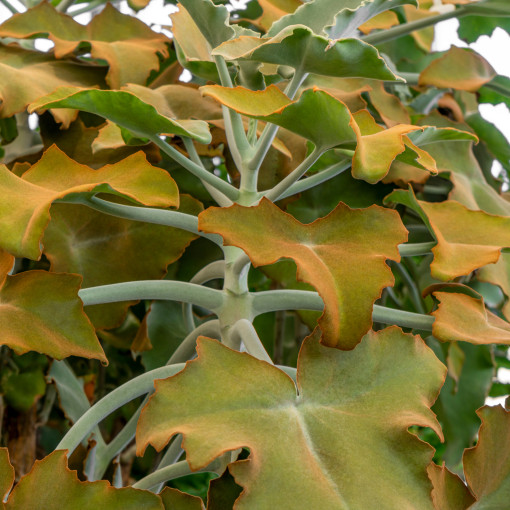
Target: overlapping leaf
58,488
125,109
174,499
300,48
28,75
349,430
341,18
26,200
376,147
273,10
466,239
6,473
460,317
128,45
448,493
348,275
499,274
41,312
80,240
458,68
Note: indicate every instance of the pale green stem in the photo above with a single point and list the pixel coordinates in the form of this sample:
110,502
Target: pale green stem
269,132
64,5
87,8
220,198
9,6
389,34
274,300
213,271
172,472
187,348
234,128
414,292
248,335
175,219
171,456
205,297
413,249
184,352
134,388
316,179
276,193
198,171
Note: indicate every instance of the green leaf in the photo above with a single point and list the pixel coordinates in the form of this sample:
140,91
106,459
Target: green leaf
23,390
449,491
466,239
60,488
129,46
350,429
458,68
41,312
344,17
347,285
458,401
488,8
6,473
491,486
212,20
28,75
496,91
25,201
81,240
125,109
473,27
300,48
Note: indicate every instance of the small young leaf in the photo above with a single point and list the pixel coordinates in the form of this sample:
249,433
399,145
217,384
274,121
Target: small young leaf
349,276
352,428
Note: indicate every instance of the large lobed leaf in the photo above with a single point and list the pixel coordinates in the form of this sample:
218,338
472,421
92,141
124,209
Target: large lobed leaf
329,446
128,45
342,255
25,201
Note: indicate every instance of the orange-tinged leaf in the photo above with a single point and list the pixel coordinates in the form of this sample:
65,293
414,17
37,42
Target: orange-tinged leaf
424,37
499,274
50,485
81,240
389,106
42,312
6,473
328,447
6,263
384,20
460,317
174,499
24,208
128,45
458,68
348,275
449,491
466,240
273,10
487,465
28,75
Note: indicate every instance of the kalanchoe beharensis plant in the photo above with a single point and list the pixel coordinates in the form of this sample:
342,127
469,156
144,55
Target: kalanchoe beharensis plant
282,284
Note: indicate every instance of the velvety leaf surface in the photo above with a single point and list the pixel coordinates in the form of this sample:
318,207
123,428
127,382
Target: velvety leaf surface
464,318
458,68
346,433
128,45
41,312
174,499
6,473
487,465
300,48
449,491
28,75
59,488
349,276
125,109
344,17
466,240
26,200
81,240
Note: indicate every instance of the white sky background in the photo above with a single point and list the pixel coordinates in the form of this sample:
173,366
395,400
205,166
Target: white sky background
495,49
